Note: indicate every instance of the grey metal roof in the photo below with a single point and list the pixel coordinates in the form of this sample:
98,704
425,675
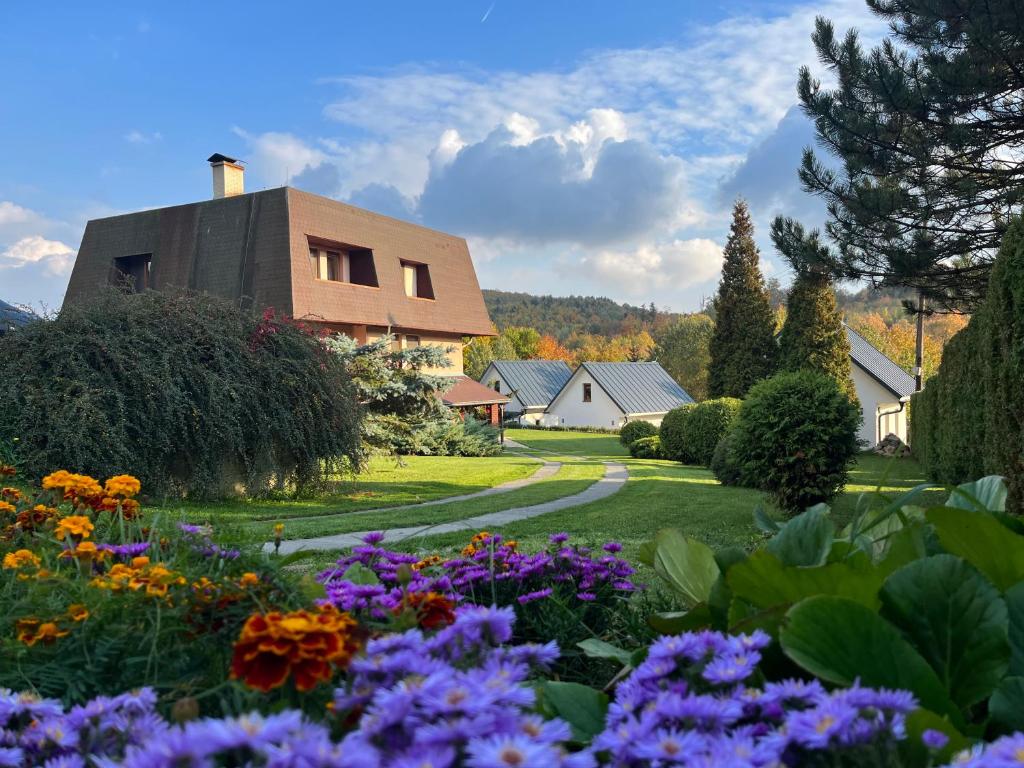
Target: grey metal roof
536,381
638,387
884,370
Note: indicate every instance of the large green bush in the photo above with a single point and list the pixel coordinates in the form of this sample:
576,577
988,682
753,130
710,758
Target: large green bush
706,425
795,437
646,448
185,391
967,421
671,432
723,463
633,430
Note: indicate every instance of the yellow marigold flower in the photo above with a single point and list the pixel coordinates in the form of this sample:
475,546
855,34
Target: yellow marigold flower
278,529
78,612
22,558
140,562
74,525
7,507
124,486
249,579
426,562
56,479
85,550
31,631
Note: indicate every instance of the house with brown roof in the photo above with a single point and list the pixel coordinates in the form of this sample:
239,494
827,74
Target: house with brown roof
307,256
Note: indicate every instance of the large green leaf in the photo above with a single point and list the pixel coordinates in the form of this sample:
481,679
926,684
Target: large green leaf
982,541
988,493
1015,612
913,749
677,622
1006,706
687,565
581,706
599,649
806,539
764,581
842,641
955,619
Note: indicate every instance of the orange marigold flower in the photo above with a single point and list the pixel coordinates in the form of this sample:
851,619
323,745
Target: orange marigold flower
32,631
10,493
30,519
124,486
22,558
75,526
85,550
249,579
6,470
426,562
304,645
155,579
7,507
78,612
79,489
433,610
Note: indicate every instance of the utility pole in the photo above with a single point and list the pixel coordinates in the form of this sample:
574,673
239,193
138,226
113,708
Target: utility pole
919,345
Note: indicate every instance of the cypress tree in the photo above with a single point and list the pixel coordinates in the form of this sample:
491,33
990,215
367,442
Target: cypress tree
813,337
743,346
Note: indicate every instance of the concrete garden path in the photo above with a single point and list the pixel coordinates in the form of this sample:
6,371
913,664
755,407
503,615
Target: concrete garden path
615,476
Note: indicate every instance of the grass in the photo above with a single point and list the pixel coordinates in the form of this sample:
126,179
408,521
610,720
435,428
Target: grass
594,445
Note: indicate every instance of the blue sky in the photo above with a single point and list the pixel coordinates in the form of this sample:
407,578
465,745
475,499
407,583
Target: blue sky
580,147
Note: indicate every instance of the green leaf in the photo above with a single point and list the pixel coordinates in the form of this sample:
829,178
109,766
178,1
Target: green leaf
842,641
1015,611
582,707
358,573
904,546
986,494
646,553
806,539
687,565
1006,706
955,619
599,649
764,581
982,541
764,523
677,622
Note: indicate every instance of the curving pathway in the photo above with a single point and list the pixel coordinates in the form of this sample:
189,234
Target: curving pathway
615,476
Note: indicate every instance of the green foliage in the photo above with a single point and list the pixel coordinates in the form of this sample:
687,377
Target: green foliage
684,351
742,348
185,391
724,465
966,420
646,448
672,433
706,425
813,337
634,430
525,341
795,437
931,601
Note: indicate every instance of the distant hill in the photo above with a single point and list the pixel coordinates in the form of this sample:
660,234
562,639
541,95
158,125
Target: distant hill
564,316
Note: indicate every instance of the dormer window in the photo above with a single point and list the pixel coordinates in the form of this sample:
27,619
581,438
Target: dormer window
417,280
342,264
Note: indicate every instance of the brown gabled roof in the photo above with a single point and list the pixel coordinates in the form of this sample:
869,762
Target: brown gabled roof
465,392
255,247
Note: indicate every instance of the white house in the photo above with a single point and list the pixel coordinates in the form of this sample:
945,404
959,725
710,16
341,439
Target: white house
883,388
530,385
610,394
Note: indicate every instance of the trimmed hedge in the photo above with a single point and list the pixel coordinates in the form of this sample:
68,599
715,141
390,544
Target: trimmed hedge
723,463
646,448
969,419
672,433
795,438
633,430
706,425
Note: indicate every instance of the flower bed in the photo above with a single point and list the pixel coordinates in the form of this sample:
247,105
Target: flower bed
138,644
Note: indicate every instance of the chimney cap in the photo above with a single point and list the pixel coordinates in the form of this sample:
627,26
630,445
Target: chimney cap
217,157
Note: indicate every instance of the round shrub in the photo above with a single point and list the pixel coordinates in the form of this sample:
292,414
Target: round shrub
646,448
634,430
723,463
185,391
673,441
706,425
795,437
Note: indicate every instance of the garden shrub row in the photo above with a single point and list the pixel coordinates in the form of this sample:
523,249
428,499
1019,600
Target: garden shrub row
691,432
634,430
967,420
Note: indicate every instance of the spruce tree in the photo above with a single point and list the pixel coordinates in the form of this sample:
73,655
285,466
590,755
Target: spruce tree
813,337
743,346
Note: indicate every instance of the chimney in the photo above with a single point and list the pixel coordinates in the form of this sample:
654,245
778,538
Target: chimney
228,176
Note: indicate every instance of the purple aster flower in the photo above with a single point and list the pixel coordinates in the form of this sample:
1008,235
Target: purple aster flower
558,538
538,594
613,547
587,597
934,740
510,752
376,537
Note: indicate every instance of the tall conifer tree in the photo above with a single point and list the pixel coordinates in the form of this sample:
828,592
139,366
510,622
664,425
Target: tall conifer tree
743,349
813,337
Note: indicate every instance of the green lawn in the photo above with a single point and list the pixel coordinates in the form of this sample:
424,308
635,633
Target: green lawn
594,445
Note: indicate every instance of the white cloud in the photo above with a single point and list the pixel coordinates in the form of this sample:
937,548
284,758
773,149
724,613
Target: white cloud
648,269
55,257
14,214
277,157
140,137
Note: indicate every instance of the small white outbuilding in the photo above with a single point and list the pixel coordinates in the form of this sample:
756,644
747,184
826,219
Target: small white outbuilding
610,394
530,385
883,389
